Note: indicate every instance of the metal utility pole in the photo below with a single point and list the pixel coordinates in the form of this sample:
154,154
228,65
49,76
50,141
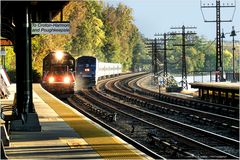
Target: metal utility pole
165,39
218,21
233,33
155,56
184,65
165,54
154,45
151,50
222,37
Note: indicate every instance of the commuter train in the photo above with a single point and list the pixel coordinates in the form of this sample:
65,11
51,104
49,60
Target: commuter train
58,73
89,70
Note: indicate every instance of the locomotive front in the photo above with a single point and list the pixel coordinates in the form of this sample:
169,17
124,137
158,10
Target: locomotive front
86,68
58,73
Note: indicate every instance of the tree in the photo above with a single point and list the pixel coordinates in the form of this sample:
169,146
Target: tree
90,35
10,59
121,35
106,32
227,60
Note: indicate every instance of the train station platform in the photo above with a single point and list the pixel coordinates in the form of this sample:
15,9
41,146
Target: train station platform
65,134
226,93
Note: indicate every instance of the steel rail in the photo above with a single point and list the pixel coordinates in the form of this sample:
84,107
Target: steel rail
182,138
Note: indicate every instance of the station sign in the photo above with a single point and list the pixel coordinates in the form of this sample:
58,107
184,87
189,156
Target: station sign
50,28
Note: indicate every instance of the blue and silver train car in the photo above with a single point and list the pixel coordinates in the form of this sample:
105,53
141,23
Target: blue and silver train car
89,70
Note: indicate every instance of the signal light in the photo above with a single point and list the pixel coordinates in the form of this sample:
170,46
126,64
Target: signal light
66,80
51,79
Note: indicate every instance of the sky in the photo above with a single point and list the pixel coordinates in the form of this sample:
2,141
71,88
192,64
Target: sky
158,16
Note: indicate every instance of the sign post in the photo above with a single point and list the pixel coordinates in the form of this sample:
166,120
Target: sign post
160,83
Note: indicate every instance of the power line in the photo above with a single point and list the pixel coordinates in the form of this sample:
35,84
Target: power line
165,39
154,46
218,21
184,44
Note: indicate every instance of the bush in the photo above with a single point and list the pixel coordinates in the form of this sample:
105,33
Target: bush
174,89
12,75
36,77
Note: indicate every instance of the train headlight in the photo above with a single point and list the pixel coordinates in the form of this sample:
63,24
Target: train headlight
66,80
59,55
87,69
51,79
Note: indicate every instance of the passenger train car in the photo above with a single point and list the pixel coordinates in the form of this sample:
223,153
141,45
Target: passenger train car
58,73
89,70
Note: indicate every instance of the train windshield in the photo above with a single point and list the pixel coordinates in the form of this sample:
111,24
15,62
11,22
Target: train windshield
62,61
59,72
59,69
50,61
86,64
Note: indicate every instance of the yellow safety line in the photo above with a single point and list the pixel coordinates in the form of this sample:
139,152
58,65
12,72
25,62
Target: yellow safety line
106,145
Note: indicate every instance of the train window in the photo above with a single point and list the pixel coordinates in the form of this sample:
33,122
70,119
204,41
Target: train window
59,72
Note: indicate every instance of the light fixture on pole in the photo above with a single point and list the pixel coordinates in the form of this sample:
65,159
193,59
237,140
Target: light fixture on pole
222,36
233,33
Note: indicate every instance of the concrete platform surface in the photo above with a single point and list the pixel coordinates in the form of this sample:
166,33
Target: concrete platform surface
60,139
56,140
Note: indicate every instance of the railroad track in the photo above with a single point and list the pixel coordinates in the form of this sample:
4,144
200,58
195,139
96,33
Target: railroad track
106,118
185,101
232,124
141,125
142,104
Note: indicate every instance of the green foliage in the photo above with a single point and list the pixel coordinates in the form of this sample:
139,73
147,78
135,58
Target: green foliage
227,56
141,60
109,33
10,58
10,63
200,57
121,35
210,60
89,37
171,82
96,29
36,76
12,75
39,51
